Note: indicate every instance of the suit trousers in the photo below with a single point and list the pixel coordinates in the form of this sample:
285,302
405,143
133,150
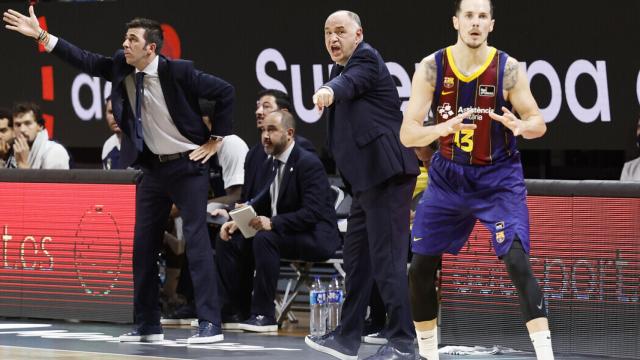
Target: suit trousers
376,249
234,259
184,183
268,248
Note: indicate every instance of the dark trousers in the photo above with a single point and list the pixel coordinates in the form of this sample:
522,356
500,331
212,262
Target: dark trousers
234,259
268,247
375,249
185,183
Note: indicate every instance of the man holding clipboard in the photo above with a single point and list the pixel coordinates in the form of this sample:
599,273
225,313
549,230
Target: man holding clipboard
294,218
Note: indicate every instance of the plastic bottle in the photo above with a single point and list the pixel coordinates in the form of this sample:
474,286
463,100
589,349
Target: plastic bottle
344,292
317,308
334,303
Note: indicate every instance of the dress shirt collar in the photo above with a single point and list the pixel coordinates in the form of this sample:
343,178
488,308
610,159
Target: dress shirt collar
152,68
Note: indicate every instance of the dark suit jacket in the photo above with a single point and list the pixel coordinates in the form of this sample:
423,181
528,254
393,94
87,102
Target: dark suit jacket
305,204
255,170
364,122
182,86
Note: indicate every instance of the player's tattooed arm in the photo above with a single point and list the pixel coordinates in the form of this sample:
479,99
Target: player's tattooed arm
510,74
431,70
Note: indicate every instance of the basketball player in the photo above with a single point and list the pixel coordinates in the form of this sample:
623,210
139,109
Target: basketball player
476,174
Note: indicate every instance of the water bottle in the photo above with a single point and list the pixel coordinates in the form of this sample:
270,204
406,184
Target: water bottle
317,306
334,303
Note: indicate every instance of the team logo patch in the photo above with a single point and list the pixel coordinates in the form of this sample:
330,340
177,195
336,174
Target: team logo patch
500,232
487,90
448,82
445,111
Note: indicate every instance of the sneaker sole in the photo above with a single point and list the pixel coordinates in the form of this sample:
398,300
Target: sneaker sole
141,338
327,350
205,339
374,340
255,328
231,326
177,321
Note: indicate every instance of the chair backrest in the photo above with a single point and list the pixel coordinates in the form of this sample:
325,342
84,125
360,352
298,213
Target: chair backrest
338,196
342,202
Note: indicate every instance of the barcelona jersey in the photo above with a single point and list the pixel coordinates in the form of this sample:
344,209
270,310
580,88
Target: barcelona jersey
482,92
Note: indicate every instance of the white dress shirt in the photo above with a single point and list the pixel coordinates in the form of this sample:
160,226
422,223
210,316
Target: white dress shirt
160,132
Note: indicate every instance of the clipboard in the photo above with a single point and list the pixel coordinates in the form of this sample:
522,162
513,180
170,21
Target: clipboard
242,216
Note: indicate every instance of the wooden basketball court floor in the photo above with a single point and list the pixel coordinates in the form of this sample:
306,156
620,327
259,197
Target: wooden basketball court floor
55,340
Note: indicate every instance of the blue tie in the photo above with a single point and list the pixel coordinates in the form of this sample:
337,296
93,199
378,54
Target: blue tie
137,124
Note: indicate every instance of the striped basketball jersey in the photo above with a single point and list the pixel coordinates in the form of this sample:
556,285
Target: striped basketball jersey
455,93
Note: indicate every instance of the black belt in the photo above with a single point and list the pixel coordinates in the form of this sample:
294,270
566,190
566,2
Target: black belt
171,157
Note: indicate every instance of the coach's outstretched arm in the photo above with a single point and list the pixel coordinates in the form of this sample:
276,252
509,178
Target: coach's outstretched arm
91,63
25,25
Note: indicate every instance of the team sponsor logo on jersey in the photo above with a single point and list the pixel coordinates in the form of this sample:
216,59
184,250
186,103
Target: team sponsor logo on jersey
487,90
448,82
445,111
476,112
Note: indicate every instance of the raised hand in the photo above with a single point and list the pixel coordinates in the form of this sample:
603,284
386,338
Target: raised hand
21,151
454,124
510,121
25,25
323,98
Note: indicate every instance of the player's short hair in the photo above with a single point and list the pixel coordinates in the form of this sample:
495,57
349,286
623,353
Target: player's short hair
152,31
456,7
6,114
286,119
282,99
25,107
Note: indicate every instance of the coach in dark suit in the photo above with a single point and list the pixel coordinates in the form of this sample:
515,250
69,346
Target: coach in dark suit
269,100
237,263
155,103
296,220
364,121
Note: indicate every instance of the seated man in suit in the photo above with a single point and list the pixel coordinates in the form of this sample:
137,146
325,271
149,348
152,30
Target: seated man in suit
296,219
269,100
